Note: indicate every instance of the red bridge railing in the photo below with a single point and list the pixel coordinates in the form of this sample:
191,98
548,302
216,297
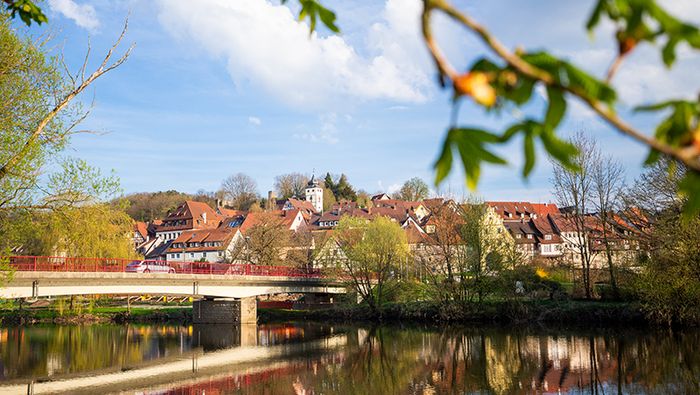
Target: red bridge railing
116,265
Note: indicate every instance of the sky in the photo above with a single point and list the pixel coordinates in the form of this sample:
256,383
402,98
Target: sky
217,87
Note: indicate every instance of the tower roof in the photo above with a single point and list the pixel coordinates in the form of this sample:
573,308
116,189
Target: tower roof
312,182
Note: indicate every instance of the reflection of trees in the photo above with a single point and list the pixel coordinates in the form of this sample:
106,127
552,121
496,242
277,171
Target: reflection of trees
40,351
389,360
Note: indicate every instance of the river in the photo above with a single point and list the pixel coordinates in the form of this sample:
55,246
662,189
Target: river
313,358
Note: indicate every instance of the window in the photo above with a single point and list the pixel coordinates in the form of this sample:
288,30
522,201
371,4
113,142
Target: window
177,255
204,254
518,236
192,254
548,237
529,236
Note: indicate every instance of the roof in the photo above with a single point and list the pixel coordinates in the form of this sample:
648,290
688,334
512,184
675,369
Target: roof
523,210
379,196
303,205
222,235
433,203
141,228
227,212
197,215
414,234
523,228
286,217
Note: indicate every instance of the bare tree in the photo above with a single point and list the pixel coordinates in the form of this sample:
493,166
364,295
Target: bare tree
265,242
241,190
290,185
573,190
608,183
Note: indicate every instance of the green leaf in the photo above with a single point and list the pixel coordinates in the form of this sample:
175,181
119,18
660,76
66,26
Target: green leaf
668,54
470,143
563,151
572,77
529,147
328,18
556,108
314,10
594,19
443,165
652,158
690,188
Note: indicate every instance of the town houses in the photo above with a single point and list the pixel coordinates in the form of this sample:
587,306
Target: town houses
194,231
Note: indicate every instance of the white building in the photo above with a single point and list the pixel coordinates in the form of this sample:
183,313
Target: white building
314,194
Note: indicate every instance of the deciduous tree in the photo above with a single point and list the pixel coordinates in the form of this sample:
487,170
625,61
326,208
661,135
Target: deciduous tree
370,252
413,190
240,190
291,184
574,191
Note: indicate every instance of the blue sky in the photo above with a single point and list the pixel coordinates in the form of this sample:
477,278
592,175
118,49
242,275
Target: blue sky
216,87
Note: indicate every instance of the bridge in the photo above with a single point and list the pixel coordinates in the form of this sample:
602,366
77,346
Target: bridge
227,291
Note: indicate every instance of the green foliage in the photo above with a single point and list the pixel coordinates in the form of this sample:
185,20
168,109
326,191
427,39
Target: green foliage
679,129
645,20
471,144
368,254
314,10
669,285
147,206
27,10
342,189
413,190
97,230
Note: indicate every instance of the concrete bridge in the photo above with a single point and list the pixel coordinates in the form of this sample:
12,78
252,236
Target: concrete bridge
227,292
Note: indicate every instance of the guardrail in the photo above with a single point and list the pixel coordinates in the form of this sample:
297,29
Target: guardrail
116,265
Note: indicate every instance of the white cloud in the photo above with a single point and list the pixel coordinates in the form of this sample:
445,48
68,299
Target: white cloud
83,15
255,121
263,43
327,133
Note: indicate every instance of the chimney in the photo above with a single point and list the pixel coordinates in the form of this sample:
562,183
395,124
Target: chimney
204,217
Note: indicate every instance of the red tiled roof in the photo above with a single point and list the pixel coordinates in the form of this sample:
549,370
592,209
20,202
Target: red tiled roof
286,217
197,215
523,210
141,228
299,204
203,236
227,212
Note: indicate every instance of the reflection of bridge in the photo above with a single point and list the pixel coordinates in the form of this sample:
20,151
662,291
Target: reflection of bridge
183,369
52,276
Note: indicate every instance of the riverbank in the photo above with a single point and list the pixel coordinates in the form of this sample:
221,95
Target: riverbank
98,315
523,312
503,312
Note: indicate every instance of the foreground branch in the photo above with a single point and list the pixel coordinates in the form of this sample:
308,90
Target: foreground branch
66,99
689,157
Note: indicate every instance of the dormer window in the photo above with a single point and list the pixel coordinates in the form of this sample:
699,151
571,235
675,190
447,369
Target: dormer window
548,237
529,236
518,236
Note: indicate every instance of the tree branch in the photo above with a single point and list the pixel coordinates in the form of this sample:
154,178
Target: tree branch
689,157
64,101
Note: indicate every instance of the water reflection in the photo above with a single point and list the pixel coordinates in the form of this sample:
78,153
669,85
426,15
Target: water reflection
413,361
324,359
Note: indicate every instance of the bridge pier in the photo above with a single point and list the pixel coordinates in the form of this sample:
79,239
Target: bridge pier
225,311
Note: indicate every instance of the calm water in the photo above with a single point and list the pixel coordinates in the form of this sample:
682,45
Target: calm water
330,359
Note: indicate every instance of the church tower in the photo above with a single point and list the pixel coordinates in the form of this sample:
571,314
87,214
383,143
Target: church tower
314,194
